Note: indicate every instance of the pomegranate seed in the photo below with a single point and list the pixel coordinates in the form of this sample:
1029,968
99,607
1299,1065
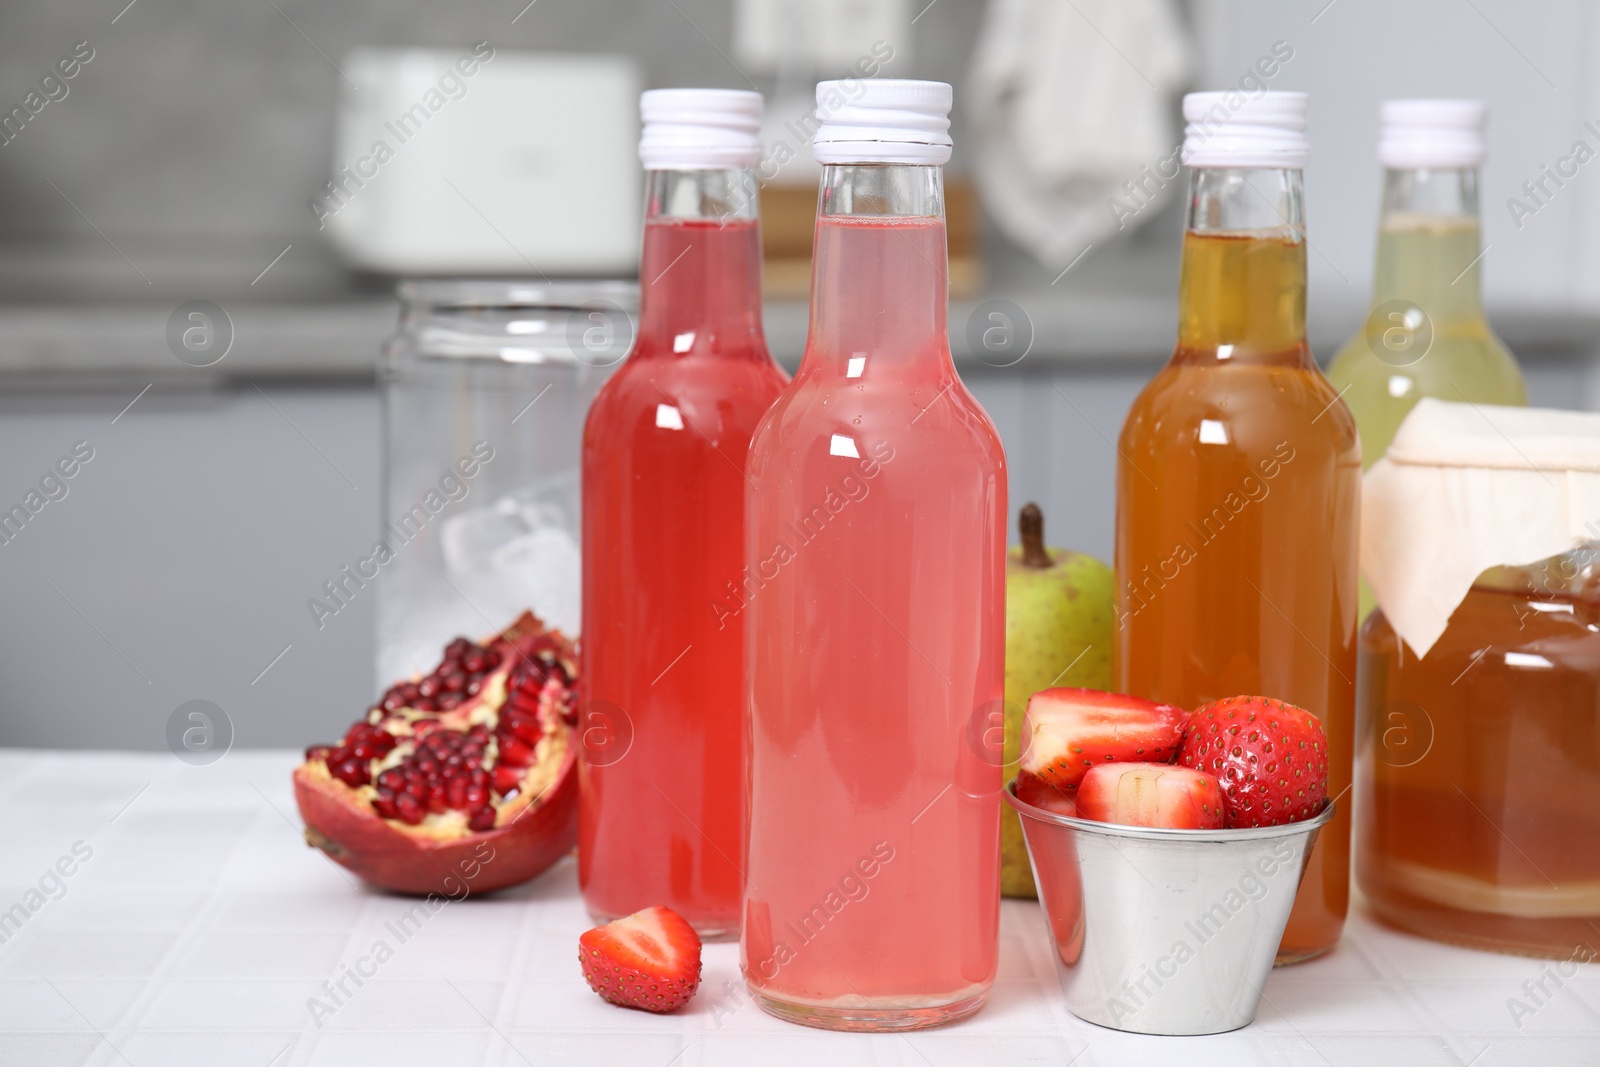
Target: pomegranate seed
516,752
492,659
506,779
385,804
455,794
436,797
352,772
482,819
317,752
393,701
409,808
410,690
453,682
449,701
429,687
474,661
474,686
474,796
392,780
524,700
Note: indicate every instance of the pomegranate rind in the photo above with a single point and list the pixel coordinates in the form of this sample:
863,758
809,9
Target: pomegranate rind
343,825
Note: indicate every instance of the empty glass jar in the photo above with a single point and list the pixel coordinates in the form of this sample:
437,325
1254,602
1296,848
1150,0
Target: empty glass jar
485,388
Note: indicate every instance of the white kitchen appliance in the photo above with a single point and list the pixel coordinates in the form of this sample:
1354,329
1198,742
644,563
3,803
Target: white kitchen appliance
484,160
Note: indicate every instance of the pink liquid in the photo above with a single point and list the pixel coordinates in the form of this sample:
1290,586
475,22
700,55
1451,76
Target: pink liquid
877,619
662,721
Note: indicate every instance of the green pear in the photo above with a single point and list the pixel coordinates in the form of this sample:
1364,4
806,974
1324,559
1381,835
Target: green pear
1059,617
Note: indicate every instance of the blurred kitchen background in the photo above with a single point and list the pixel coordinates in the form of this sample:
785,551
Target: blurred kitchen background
187,155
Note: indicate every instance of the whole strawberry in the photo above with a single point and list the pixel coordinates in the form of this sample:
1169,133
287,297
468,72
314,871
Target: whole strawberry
648,960
1271,759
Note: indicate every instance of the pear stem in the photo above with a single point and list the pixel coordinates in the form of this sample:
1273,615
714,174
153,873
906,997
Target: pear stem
1031,523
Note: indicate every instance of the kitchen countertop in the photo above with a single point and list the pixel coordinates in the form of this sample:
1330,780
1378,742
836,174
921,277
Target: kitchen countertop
199,926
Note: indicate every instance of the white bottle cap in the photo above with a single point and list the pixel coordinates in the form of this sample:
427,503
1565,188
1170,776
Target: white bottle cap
700,129
885,120
1234,129
1419,134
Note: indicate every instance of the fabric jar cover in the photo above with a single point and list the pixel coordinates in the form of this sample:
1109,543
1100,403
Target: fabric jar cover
1466,487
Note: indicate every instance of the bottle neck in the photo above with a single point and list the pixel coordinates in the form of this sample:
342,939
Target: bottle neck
879,276
1242,293
700,268
1429,243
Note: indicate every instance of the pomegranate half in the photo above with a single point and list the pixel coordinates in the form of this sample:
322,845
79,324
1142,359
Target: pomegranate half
459,782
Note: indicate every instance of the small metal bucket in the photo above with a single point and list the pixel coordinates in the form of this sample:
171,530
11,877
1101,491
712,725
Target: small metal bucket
1162,931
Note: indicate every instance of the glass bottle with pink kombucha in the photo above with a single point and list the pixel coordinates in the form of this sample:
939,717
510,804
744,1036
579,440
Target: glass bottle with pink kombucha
662,717
875,605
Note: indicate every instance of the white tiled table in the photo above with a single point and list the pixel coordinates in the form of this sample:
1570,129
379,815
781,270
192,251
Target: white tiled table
201,925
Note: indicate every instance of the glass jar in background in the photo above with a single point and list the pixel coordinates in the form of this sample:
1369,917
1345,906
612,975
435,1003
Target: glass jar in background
485,387
1478,766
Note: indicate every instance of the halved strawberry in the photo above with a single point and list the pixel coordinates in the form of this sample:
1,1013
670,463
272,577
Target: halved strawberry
1041,794
1151,794
648,960
1066,731
1270,758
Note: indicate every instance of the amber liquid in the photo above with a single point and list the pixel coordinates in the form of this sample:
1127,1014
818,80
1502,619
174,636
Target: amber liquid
1479,776
1238,485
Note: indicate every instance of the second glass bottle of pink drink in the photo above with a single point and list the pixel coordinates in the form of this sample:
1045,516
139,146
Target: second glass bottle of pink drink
874,594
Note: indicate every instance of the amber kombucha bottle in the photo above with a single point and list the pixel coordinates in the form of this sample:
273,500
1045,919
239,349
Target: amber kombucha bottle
1239,474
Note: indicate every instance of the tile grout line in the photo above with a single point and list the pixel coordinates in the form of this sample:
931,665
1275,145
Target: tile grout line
156,980
96,838
1399,988
361,933
513,983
